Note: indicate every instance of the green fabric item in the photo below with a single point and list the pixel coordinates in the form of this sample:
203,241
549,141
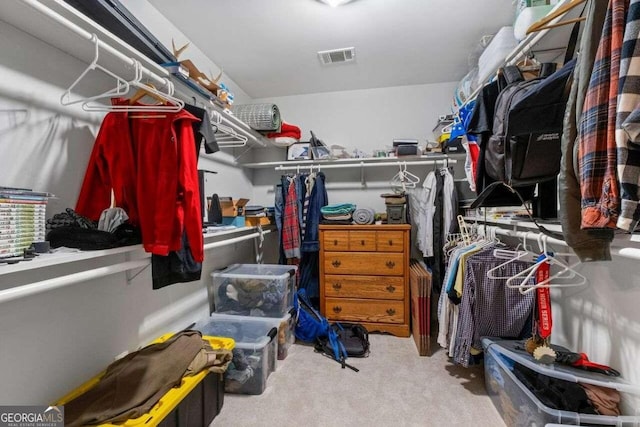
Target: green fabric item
338,209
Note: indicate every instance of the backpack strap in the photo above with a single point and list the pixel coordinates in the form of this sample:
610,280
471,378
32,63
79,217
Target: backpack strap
512,74
547,68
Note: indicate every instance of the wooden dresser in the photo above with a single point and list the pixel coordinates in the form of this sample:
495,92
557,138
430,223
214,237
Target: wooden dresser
364,276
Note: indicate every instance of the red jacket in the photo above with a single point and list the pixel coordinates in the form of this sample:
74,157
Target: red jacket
151,166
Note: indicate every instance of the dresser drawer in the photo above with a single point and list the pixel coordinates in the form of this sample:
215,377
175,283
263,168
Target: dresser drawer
369,263
390,241
335,241
370,287
353,310
363,241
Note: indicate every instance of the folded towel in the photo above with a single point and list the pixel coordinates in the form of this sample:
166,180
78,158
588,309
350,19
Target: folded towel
340,208
335,217
364,216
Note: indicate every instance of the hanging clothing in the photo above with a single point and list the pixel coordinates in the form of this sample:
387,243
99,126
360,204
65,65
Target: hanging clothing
309,270
628,122
589,244
203,131
423,208
436,262
291,224
150,165
177,267
488,306
596,132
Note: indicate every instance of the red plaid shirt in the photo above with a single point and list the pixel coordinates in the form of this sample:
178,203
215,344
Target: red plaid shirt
596,134
291,224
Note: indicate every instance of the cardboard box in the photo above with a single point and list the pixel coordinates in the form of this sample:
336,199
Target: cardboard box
231,207
254,221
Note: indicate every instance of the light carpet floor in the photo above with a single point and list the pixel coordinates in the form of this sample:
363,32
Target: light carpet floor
395,387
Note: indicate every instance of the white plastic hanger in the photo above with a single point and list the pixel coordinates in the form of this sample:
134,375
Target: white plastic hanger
226,136
510,256
524,285
121,89
404,179
174,105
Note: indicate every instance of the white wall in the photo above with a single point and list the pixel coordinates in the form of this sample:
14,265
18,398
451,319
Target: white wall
602,318
359,119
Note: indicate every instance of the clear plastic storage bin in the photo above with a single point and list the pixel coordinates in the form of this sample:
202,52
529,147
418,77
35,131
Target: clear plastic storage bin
286,333
518,406
255,353
259,290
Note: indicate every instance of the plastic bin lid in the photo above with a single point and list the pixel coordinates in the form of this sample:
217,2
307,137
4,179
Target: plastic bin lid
253,333
511,349
256,271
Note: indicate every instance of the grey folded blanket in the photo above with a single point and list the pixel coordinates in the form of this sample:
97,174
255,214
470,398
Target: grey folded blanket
364,216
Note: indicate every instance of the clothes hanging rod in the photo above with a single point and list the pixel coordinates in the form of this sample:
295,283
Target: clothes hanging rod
69,279
234,240
629,253
365,165
61,20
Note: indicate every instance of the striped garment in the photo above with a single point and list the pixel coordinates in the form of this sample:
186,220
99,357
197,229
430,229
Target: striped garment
596,133
628,121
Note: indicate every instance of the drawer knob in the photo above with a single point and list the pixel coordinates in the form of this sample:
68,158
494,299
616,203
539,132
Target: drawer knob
362,242
336,263
337,309
391,311
337,285
391,288
335,242
390,242
390,264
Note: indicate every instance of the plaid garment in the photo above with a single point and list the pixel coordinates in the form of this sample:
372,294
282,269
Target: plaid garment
291,224
596,133
489,307
628,121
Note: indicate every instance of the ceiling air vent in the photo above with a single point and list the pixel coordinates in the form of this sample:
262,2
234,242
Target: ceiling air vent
335,56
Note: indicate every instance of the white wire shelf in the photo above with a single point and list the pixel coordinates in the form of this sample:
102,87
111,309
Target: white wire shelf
352,162
60,25
134,251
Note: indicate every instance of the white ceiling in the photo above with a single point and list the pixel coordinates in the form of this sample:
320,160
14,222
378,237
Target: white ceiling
269,47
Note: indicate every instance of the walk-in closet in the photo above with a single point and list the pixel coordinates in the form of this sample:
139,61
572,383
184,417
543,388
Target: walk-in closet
319,212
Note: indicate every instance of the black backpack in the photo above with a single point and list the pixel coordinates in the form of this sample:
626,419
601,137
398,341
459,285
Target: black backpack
525,146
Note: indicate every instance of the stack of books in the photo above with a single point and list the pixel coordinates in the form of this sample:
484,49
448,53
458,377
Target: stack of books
22,219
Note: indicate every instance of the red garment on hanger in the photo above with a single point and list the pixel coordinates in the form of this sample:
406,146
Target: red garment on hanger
151,166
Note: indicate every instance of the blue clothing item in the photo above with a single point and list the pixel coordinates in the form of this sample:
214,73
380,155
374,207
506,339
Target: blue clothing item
450,277
301,190
317,202
310,247
279,207
459,127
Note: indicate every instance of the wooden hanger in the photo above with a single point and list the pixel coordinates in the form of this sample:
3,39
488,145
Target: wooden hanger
142,92
544,23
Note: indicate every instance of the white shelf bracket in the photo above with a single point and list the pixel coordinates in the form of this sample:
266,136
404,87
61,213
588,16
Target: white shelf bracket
134,272
131,274
362,180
